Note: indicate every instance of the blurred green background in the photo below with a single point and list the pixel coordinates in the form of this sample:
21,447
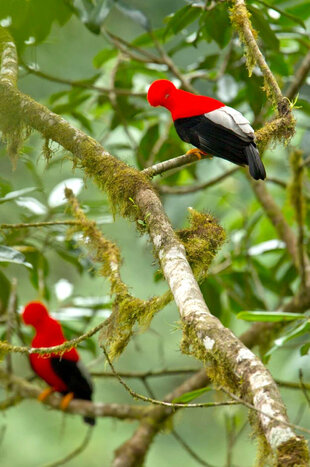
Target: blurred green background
71,41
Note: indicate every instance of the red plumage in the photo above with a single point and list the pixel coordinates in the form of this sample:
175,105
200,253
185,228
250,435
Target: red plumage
210,125
182,104
63,372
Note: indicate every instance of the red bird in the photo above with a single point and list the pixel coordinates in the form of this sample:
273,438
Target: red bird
63,373
210,125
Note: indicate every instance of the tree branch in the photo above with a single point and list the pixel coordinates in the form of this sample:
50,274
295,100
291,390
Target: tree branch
81,84
26,390
299,78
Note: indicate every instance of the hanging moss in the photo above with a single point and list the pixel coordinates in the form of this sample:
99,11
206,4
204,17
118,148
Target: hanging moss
239,16
281,129
202,241
293,454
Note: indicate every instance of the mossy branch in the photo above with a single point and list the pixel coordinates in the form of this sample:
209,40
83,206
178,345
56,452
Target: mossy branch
295,190
281,128
127,309
27,390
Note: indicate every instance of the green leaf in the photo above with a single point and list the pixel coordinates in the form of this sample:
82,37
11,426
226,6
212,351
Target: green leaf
266,316
5,287
297,331
304,349
16,194
182,18
10,255
189,396
104,56
217,26
33,18
262,25
284,13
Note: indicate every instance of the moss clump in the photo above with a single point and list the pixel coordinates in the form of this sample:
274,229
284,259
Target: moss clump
202,241
127,310
240,17
281,129
219,368
121,183
293,453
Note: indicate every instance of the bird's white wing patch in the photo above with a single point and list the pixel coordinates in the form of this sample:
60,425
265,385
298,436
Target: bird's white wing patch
232,120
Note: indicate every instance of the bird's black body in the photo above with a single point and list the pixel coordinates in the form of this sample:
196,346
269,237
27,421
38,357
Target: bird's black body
220,141
76,378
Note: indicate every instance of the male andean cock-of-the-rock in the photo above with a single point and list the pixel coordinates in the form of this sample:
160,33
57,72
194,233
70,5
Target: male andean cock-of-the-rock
209,125
63,372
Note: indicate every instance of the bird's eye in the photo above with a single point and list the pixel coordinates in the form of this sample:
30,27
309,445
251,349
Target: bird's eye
166,96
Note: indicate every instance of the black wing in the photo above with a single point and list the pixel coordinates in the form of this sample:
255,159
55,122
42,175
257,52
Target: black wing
75,376
212,138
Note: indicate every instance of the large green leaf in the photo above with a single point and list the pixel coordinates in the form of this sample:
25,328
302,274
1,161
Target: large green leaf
182,18
267,316
31,20
261,24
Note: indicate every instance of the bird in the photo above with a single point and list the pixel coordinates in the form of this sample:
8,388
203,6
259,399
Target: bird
64,373
211,126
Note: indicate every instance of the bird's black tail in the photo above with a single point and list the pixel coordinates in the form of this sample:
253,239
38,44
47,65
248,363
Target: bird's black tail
90,420
256,167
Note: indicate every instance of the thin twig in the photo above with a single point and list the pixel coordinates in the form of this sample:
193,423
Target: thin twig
10,322
170,164
299,77
183,190
303,386
189,450
25,225
5,347
144,374
135,395
73,454
81,84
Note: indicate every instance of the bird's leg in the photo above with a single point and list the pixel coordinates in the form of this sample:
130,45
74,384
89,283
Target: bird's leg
44,394
199,153
66,400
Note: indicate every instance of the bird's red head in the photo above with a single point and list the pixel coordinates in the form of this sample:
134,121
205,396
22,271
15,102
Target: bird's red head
35,313
160,93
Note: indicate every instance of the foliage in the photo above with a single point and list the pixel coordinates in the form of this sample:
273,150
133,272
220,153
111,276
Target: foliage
92,61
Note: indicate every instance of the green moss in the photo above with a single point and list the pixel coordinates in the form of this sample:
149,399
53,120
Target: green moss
122,195
281,129
293,453
202,241
239,17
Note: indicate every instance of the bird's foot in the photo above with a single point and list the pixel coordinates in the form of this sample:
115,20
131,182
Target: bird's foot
44,394
66,400
199,154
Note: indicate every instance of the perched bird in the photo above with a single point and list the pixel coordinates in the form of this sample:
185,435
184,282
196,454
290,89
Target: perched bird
211,126
63,373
